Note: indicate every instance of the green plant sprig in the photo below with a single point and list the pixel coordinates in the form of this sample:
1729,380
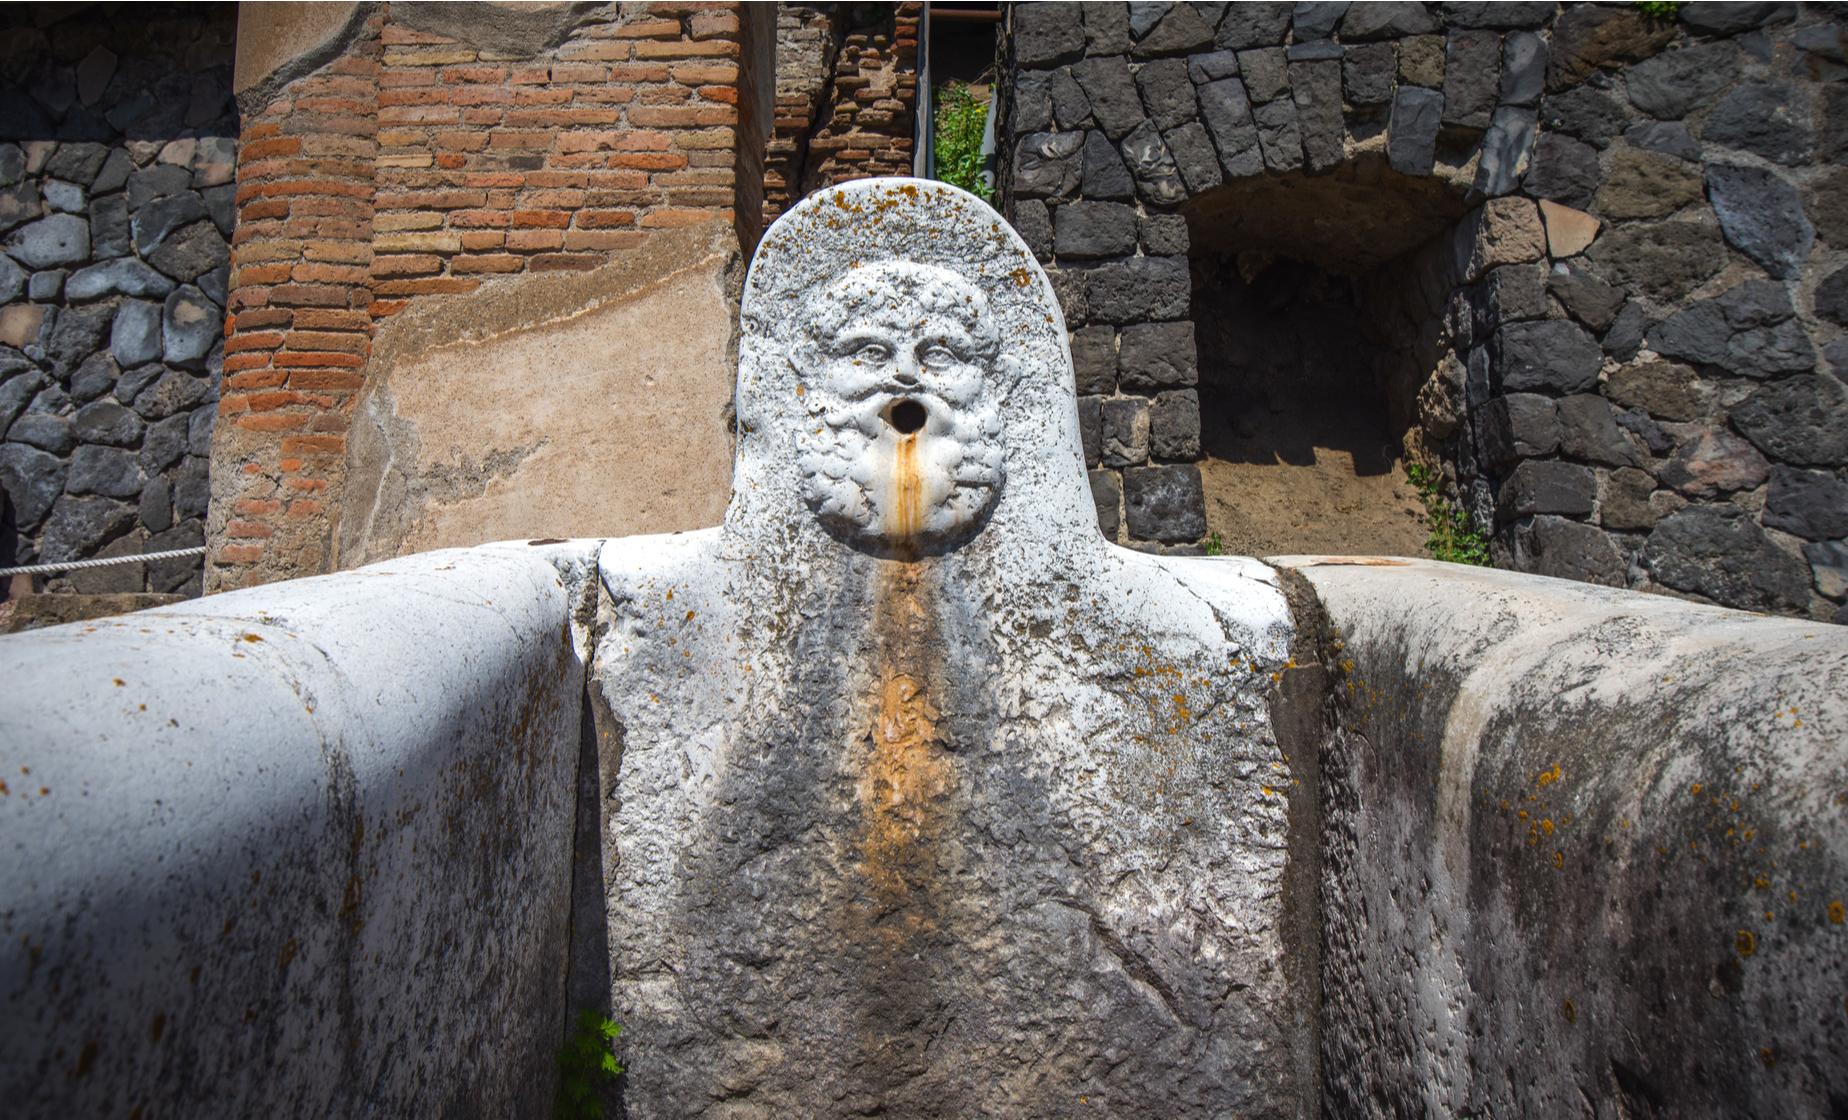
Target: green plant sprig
960,119
585,1063
1454,537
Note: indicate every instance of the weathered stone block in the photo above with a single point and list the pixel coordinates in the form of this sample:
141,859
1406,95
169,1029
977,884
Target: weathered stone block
1543,486
1553,356
1034,224
1574,550
1210,67
1164,235
1588,38
1139,290
1194,157
1158,356
1801,420
1259,24
1125,431
1071,109
61,239
1515,427
1766,119
1107,496
1569,232
1165,503
1643,184
1750,329
1501,231
1664,261
1112,93
1717,551
1663,389
1675,83
1316,20
1106,28
1625,503
1105,177
1044,164
1265,72
1226,112
1762,216
1316,89
1366,73
1278,135
1505,150
1367,22
1411,144
1564,170
1585,297
1174,425
1048,34
1091,429
1472,76
1181,31
1094,360
1523,70
1167,93
1089,230
1588,431
1152,165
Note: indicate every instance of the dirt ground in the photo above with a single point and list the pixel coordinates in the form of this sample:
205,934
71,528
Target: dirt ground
1283,483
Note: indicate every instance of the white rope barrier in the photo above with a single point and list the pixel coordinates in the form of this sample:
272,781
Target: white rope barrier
74,565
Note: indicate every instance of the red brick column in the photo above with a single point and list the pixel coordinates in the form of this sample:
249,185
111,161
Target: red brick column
298,322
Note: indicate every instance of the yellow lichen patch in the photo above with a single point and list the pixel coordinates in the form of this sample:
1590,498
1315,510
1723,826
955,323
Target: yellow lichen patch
1548,777
1836,913
1745,943
1694,790
1559,860
1569,1010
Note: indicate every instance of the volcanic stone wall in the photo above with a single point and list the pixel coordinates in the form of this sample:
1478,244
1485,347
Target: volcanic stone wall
1626,356
117,151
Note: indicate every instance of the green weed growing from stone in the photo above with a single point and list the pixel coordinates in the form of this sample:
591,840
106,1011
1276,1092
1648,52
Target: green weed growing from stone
958,143
1454,537
585,1063
1215,546
1659,9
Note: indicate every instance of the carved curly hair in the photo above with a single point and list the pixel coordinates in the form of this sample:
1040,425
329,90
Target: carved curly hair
866,290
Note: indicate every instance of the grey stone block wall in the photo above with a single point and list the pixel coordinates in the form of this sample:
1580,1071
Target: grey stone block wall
118,151
1644,301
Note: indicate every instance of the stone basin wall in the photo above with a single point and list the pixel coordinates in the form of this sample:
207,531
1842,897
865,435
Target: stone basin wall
1621,336
118,142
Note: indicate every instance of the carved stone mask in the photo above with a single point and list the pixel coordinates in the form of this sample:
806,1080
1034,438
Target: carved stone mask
902,455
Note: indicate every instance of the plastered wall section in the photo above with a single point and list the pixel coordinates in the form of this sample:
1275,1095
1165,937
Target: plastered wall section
551,406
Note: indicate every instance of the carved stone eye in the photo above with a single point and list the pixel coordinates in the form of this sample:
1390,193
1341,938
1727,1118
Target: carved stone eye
873,352
936,356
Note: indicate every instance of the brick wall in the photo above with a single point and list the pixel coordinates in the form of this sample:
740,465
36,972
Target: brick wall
419,163
846,97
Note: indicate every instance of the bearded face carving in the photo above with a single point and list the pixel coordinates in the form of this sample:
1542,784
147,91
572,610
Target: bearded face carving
903,452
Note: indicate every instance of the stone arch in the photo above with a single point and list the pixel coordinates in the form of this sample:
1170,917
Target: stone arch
1623,222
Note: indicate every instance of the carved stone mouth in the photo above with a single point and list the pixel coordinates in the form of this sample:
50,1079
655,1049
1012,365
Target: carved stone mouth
906,416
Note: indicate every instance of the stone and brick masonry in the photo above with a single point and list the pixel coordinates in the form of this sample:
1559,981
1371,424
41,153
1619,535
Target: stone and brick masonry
846,97
117,151
431,153
1626,355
